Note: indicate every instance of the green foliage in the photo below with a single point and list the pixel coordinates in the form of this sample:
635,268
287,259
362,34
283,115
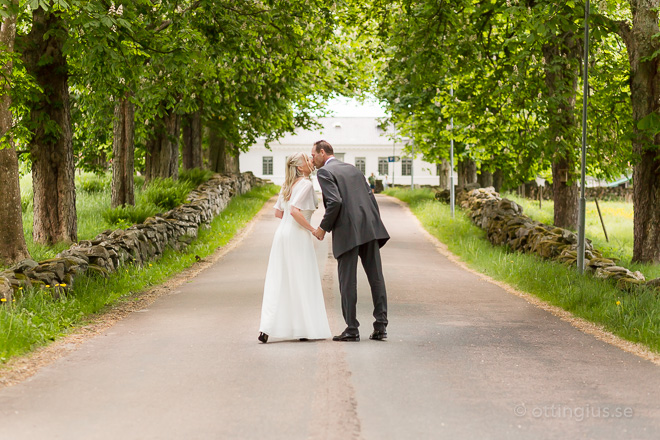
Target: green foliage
37,317
195,176
514,68
124,216
91,183
635,317
167,193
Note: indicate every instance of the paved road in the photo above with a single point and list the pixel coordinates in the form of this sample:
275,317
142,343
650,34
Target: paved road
465,359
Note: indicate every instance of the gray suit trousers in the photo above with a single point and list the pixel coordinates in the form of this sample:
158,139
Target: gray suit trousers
369,254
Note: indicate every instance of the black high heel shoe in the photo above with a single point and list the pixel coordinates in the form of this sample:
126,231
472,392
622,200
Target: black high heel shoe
263,337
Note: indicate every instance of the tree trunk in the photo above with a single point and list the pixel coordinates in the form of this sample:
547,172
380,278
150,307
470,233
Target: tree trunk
485,178
565,194
498,178
12,240
443,174
123,152
232,159
561,79
192,141
467,172
642,43
163,148
51,147
218,152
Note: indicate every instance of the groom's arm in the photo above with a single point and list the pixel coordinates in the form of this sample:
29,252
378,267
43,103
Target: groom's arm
332,198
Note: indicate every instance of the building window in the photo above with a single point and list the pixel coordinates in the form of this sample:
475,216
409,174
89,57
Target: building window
406,167
361,164
383,168
268,166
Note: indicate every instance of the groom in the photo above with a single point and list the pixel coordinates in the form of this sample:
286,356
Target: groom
352,214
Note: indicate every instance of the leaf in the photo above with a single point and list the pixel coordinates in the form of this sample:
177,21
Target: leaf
650,124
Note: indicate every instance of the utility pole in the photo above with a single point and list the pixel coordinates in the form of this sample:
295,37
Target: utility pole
585,97
412,159
452,196
393,152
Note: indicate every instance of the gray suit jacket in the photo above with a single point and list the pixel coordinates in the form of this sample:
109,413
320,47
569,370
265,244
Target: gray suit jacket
351,210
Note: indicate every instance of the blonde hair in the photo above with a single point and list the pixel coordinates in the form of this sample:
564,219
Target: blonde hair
292,172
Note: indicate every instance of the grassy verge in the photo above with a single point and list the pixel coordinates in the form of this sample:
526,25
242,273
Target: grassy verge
633,316
37,317
618,218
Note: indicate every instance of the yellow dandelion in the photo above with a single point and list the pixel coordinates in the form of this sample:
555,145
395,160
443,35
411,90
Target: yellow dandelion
47,285
150,264
56,285
618,303
3,299
20,288
63,285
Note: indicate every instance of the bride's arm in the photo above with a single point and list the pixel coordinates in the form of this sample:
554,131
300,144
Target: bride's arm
278,213
300,218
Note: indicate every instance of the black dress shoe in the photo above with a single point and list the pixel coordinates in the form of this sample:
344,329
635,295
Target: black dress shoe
347,337
378,335
263,337
303,339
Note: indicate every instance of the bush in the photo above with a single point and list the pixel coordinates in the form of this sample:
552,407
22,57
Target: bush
195,176
92,183
124,216
166,193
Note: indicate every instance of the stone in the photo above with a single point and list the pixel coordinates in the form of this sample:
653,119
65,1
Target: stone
96,252
56,268
47,278
25,265
93,268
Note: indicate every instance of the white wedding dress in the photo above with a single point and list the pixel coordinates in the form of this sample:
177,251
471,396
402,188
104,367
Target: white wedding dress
293,305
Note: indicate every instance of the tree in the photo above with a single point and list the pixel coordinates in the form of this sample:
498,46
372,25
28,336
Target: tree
514,69
643,49
192,140
123,153
12,241
51,147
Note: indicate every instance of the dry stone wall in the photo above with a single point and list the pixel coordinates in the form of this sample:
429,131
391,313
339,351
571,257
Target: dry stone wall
506,225
138,244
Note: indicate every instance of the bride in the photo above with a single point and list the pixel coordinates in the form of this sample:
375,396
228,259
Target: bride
293,304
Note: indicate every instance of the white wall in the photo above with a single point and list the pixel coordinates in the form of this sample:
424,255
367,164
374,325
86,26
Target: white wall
352,136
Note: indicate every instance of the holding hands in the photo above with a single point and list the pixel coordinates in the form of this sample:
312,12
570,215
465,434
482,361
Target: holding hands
319,233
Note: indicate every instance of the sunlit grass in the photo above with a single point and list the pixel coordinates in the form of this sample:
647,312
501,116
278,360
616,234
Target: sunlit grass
37,317
618,219
633,316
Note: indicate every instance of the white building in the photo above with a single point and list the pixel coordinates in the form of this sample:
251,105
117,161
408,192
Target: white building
358,140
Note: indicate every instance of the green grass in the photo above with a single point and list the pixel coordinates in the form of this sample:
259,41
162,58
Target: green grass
37,318
618,219
93,194
636,317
